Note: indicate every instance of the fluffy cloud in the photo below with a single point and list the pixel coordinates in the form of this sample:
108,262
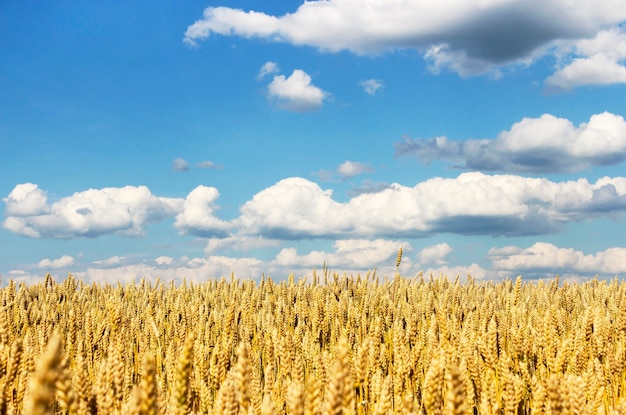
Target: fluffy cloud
471,204
434,255
467,36
371,86
126,210
547,258
296,93
63,262
533,145
197,214
596,61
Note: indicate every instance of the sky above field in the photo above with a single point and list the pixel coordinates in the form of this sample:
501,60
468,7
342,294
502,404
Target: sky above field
193,139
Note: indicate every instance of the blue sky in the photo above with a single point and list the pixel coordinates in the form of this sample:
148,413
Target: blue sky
188,139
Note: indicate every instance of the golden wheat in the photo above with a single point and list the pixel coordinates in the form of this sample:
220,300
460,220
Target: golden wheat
335,345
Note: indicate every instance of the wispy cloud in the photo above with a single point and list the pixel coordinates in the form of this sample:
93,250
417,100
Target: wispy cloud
371,86
208,165
268,68
533,145
180,164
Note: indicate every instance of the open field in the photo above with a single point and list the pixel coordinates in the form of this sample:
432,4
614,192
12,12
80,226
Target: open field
330,345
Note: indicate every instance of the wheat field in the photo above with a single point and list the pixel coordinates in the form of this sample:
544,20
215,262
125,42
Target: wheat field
329,344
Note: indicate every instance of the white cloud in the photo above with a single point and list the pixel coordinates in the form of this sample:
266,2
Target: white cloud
296,93
180,165
238,243
113,261
548,258
62,262
193,270
434,255
468,37
26,200
533,145
293,208
296,208
127,211
473,203
346,170
349,169
597,61
371,86
269,68
357,254
197,214
164,260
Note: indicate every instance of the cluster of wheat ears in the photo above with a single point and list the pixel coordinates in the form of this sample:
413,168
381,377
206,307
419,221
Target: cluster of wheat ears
331,344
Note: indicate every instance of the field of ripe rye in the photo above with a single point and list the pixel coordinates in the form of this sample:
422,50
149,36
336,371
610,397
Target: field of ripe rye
330,344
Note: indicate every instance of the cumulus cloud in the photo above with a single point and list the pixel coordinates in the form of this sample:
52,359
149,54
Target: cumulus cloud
371,86
296,93
547,258
469,37
434,255
126,211
62,262
533,145
597,61
180,165
471,204
197,214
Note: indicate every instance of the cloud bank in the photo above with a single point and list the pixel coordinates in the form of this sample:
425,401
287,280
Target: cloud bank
296,208
353,256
